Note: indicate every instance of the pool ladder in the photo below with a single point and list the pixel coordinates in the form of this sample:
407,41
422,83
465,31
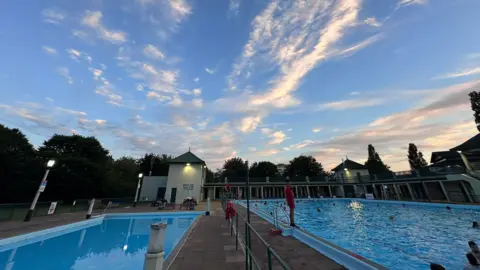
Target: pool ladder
109,204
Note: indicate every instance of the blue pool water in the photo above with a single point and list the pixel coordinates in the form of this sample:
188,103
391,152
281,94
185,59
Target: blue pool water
419,234
117,243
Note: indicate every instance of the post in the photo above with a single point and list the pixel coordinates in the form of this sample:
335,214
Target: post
465,161
208,207
140,176
444,191
155,252
29,215
248,213
236,232
90,209
410,191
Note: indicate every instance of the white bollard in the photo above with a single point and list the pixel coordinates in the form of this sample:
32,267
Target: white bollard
155,252
90,208
208,207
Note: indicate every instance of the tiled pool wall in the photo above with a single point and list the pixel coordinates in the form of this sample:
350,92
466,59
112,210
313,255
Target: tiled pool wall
42,235
345,257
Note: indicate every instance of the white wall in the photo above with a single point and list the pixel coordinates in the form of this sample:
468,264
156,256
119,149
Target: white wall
350,175
180,174
150,187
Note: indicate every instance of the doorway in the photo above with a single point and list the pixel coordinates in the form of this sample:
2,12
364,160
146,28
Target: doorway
161,193
173,196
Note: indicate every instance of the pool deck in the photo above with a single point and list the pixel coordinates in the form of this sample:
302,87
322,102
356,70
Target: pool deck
13,228
209,247
294,253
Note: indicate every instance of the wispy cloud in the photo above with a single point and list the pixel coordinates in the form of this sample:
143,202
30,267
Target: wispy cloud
404,3
65,73
196,80
210,70
316,130
49,50
93,19
372,22
249,124
234,7
153,52
53,15
351,104
461,73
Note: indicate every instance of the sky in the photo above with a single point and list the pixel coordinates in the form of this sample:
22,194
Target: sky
261,80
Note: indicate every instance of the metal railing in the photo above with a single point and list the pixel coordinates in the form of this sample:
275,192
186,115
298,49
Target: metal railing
250,260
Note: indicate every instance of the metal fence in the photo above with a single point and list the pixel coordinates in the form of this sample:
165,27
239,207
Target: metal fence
251,261
17,211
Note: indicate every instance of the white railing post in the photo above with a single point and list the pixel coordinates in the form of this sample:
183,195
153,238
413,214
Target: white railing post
208,207
155,252
90,208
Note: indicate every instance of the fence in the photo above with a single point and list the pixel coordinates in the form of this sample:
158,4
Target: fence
17,211
251,261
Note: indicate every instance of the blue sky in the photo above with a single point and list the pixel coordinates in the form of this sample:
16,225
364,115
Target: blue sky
263,80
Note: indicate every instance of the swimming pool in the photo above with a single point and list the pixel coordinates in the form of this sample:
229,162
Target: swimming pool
419,234
117,242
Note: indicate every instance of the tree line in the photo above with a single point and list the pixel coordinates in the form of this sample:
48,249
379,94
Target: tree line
85,169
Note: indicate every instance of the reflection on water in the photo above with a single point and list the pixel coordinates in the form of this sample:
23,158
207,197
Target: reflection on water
114,244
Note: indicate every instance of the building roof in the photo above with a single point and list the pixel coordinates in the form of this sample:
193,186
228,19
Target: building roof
188,157
472,144
349,164
444,155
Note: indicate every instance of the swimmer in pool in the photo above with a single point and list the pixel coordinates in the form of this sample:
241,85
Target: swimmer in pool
318,210
449,208
436,266
475,225
391,218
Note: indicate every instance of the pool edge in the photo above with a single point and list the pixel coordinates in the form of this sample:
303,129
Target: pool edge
345,257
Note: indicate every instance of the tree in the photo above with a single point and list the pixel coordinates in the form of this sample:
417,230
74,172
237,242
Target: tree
304,166
475,102
122,178
374,163
234,168
209,176
159,166
80,170
20,169
415,158
263,169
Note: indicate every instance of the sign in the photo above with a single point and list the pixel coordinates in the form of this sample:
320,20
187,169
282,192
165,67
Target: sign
369,196
43,185
187,186
51,210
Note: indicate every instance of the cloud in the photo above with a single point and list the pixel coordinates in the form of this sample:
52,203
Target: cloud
64,72
74,54
196,80
252,149
153,52
404,3
316,130
49,99
461,73
354,93
53,15
351,104
249,124
441,120
197,91
372,22
93,19
179,9
268,152
49,50
97,73
157,96
176,101
276,137
82,35
197,102
234,7
210,70
103,66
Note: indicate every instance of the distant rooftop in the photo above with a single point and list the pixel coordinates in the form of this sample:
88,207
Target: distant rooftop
188,157
349,164
472,144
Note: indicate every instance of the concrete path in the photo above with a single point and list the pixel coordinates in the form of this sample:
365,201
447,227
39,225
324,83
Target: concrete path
294,253
210,247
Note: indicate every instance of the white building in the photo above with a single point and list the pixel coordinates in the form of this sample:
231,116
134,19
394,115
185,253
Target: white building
349,171
186,176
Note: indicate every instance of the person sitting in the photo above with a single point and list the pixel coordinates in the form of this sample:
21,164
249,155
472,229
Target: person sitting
473,256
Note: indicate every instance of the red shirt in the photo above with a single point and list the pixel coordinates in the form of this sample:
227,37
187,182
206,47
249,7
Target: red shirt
289,197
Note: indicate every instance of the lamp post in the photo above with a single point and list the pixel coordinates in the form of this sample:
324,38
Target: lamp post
41,188
140,176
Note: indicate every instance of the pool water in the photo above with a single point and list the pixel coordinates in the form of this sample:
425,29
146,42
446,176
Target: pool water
116,243
418,235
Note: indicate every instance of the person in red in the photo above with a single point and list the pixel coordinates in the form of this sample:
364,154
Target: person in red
291,204
229,211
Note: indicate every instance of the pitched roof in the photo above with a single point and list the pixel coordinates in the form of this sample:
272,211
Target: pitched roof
349,164
188,157
444,155
472,144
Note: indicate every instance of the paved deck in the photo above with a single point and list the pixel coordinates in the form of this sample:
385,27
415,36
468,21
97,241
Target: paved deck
294,253
13,228
210,247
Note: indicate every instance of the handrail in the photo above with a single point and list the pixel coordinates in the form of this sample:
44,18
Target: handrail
249,257
109,204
